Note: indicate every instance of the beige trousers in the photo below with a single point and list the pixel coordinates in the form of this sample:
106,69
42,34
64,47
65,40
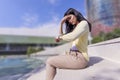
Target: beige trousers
72,60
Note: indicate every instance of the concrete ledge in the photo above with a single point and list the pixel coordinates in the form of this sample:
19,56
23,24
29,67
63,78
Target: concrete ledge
54,51
101,70
98,69
104,63
109,50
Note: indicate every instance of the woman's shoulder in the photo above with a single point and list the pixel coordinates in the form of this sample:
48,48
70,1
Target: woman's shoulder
83,23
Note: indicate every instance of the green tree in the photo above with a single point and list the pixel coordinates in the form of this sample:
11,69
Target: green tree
103,37
117,32
32,50
97,39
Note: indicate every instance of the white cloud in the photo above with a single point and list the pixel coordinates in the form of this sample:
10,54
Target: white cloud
29,19
53,2
47,29
50,28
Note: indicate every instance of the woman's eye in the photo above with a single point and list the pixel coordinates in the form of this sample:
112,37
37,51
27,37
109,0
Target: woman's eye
68,18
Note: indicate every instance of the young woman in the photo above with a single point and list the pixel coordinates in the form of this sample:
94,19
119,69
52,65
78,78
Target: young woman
77,29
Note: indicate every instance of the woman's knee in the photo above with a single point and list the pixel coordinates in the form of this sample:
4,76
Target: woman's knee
50,61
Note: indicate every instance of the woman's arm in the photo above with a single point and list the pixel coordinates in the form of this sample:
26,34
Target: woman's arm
61,29
62,22
80,29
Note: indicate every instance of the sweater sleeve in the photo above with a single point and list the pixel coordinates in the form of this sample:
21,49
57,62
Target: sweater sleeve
80,29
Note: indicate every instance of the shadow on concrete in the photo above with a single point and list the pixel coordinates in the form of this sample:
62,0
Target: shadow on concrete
106,74
94,60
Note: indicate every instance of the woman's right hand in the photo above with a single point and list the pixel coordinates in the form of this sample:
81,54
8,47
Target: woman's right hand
62,22
68,17
64,19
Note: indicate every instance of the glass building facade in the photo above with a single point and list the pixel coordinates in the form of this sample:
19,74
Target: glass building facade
103,14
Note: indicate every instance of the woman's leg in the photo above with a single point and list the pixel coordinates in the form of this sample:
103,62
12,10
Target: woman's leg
64,62
50,72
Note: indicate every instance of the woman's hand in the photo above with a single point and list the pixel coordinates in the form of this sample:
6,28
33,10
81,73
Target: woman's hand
57,39
68,17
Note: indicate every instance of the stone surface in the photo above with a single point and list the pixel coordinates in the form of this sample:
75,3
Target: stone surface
104,63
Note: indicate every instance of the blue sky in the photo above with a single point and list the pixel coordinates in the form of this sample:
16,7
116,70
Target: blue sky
33,17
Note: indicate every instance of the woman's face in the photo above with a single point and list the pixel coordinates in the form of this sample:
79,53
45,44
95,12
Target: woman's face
72,19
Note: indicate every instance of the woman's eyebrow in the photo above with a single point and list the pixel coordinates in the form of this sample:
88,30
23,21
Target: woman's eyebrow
68,18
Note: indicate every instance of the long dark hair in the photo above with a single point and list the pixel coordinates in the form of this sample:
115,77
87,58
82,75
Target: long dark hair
70,27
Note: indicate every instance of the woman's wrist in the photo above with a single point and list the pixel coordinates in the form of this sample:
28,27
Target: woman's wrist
60,37
63,20
61,28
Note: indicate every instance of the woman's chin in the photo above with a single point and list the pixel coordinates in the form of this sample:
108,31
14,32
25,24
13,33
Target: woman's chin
73,24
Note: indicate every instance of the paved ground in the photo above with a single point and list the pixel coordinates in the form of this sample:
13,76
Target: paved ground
104,63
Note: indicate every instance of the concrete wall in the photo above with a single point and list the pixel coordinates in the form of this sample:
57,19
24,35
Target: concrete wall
104,63
108,49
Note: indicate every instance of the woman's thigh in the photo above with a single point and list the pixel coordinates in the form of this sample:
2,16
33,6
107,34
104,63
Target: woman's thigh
67,62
